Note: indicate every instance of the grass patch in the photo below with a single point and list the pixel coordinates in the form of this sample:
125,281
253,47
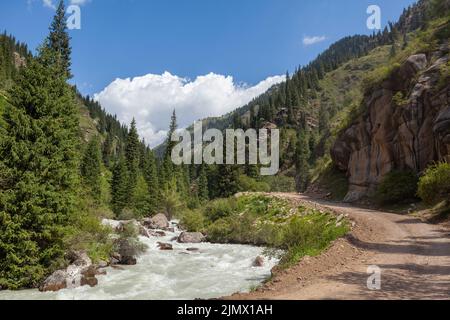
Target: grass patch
268,221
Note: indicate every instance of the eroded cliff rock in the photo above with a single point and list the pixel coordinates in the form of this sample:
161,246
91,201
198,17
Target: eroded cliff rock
405,126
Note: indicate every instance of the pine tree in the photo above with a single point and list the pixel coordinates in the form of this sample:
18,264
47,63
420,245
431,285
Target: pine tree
393,51
132,147
203,192
142,205
59,41
39,162
151,177
227,180
168,171
91,168
301,162
172,128
324,119
119,187
107,150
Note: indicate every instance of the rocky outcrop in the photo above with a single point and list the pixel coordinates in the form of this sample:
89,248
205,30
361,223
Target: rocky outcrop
80,272
19,61
191,237
406,125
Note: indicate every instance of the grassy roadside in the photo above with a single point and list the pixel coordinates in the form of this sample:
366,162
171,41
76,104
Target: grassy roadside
289,232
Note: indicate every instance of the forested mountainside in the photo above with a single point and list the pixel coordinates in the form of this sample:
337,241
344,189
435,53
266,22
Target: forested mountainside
319,101
403,122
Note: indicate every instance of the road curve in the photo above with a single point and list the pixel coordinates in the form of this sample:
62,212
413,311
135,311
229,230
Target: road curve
414,259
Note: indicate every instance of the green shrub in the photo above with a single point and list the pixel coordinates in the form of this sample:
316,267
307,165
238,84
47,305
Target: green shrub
280,183
309,235
248,184
434,185
220,208
86,233
219,231
397,186
193,220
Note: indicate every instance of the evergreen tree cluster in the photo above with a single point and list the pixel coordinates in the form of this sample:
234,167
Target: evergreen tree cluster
39,164
10,48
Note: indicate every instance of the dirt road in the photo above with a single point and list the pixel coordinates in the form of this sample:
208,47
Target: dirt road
414,259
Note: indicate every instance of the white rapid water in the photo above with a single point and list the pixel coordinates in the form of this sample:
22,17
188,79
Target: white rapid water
215,270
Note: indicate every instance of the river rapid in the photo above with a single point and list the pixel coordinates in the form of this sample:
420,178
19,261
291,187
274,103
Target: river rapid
215,270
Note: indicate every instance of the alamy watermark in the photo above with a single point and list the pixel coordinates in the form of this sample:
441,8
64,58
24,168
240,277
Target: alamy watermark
374,280
73,17
374,20
241,147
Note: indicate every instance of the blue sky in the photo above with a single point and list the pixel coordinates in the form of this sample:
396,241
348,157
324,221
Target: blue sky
249,40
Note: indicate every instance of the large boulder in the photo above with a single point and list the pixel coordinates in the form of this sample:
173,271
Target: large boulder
191,237
126,252
57,281
80,272
158,221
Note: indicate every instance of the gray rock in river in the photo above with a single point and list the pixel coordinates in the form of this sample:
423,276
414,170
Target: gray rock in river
191,237
158,221
165,246
259,262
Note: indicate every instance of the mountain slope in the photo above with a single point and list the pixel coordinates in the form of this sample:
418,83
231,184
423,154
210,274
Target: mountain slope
404,120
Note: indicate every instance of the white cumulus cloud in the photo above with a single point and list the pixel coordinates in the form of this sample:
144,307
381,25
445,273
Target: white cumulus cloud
151,99
308,41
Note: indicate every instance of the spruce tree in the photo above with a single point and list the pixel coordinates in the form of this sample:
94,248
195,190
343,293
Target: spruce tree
91,168
39,161
107,150
59,41
119,187
132,155
151,177
301,161
168,170
203,192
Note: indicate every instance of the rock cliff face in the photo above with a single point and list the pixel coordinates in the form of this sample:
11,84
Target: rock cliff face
405,126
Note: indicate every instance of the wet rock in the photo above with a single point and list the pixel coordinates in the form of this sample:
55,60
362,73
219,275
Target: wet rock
80,272
259,262
144,232
165,246
191,237
57,281
115,259
193,249
125,251
158,221
128,261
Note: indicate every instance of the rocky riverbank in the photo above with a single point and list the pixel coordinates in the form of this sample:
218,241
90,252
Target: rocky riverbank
169,268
